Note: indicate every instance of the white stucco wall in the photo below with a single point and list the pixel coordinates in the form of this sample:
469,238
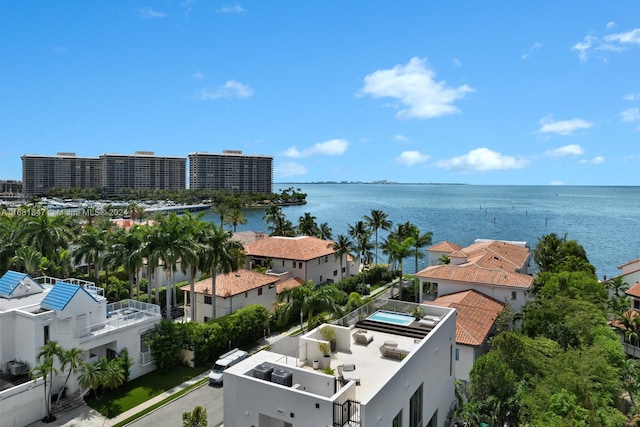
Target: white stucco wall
229,305
466,357
501,293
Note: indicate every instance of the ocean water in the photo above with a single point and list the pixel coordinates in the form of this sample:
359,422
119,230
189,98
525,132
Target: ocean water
604,220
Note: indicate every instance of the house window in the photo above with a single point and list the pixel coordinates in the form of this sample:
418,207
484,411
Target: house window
450,359
246,294
111,354
207,300
415,408
457,354
300,265
397,421
206,319
46,334
143,343
259,291
320,279
293,264
335,273
326,259
283,263
344,269
514,295
636,304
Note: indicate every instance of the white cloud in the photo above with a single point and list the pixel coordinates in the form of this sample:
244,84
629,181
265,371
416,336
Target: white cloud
231,9
567,150
197,75
595,161
631,115
457,63
482,160
286,169
414,86
633,96
333,147
231,89
401,138
410,158
148,13
616,42
610,25
562,127
535,46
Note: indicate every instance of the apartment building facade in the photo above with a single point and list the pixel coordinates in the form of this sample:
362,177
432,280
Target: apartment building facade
142,170
231,170
64,170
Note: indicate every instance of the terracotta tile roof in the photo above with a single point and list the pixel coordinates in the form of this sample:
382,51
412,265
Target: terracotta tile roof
476,314
445,246
472,273
235,283
288,284
497,254
302,248
617,324
634,291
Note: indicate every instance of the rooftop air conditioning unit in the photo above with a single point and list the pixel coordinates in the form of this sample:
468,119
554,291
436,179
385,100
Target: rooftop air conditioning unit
282,377
263,371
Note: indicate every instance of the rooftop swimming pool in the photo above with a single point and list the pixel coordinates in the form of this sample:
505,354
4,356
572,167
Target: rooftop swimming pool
391,317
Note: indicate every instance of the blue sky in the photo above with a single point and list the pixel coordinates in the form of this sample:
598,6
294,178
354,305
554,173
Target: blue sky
542,92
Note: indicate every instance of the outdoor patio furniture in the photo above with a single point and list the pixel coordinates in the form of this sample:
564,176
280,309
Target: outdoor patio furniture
393,352
362,337
348,372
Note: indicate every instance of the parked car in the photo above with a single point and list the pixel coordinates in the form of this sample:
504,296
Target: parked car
226,360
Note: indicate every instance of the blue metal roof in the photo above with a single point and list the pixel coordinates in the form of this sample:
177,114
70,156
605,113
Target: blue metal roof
60,295
10,281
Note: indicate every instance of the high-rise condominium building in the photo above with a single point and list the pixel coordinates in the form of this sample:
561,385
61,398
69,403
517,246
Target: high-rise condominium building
142,170
64,170
231,170
111,172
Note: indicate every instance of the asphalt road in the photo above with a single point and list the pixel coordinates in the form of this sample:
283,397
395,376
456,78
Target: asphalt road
207,396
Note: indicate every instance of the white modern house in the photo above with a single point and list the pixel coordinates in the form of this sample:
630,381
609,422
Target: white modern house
498,269
382,374
303,257
73,313
233,291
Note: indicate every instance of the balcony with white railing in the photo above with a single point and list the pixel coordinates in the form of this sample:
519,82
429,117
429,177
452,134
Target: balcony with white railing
120,315
91,287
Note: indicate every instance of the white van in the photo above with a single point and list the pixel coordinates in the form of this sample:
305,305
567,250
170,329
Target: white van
228,359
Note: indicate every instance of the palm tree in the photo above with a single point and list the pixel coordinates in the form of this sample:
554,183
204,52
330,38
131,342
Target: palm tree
325,232
397,250
220,256
342,249
307,225
89,247
362,236
89,377
71,359
28,259
197,231
420,241
47,233
46,368
277,222
129,244
237,217
222,210
377,221
112,373
309,299
630,322
10,238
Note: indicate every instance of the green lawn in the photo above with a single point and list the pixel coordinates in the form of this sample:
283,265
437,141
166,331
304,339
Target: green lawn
135,392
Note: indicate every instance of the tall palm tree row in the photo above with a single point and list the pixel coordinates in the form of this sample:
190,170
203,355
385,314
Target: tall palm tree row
377,221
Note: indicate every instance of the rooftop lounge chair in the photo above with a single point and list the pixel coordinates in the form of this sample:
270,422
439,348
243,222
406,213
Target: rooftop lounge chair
362,337
393,352
348,372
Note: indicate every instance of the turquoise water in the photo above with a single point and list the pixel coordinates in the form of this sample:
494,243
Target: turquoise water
390,317
605,220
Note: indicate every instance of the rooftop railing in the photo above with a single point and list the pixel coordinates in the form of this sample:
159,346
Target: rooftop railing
119,315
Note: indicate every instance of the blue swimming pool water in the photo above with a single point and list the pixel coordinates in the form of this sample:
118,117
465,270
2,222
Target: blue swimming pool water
391,317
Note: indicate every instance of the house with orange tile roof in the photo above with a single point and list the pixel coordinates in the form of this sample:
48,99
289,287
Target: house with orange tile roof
631,345
233,291
630,272
476,314
498,269
302,257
